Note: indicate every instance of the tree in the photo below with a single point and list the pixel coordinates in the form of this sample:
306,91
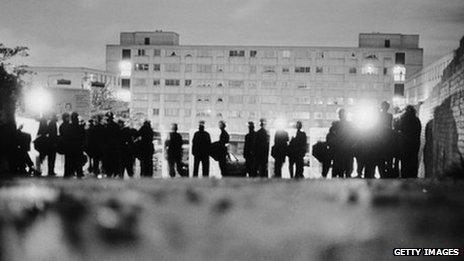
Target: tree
10,89
103,100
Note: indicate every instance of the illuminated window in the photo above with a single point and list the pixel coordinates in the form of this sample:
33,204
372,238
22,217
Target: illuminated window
399,73
141,67
286,54
125,67
369,69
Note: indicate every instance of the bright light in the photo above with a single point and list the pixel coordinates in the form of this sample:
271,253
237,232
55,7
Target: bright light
123,95
365,115
38,100
126,68
399,101
399,73
280,123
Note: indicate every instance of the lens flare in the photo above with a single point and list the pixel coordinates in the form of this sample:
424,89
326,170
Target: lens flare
38,100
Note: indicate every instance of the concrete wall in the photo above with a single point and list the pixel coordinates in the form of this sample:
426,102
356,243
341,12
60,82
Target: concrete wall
442,116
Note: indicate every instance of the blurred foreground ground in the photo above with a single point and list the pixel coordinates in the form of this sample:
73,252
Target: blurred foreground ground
227,219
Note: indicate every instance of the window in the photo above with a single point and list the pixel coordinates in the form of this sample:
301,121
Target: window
203,98
400,58
219,100
387,43
63,82
253,53
171,98
235,84
156,82
188,67
385,70
236,53
269,69
141,67
140,82
125,83
203,113
172,67
155,97
236,99
172,53
399,89
399,73
369,69
372,56
302,69
188,83
318,115
204,68
126,54
319,69
156,111
147,41
286,54
172,82
352,70
157,52
156,67
141,52
285,70
171,112
301,85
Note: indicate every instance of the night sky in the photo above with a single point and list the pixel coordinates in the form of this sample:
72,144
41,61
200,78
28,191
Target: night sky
75,32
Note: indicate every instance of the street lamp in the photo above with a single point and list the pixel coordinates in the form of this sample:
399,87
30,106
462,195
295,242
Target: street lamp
38,100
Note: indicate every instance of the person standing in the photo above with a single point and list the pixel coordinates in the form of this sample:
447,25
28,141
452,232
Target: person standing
73,138
53,145
174,152
22,159
340,142
386,150
262,150
147,150
249,151
127,149
409,128
201,144
112,147
41,144
279,151
297,150
223,153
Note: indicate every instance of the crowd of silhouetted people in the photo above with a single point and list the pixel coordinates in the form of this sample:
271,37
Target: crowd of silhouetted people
110,148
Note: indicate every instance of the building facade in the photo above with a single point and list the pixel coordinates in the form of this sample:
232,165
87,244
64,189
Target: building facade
70,87
185,83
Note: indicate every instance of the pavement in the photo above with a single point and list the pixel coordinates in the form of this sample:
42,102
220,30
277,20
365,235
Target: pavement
227,219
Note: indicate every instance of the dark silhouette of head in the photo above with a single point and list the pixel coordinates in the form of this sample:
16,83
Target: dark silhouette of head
410,111
251,126
74,118
384,106
201,125
65,117
222,125
110,116
299,125
262,123
342,114
174,127
121,123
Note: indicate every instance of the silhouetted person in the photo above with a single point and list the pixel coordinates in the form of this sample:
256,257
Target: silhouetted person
279,151
297,150
249,152
340,142
73,139
128,136
112,147
52,131
147,150
174,152
22,158
321,151
223,153
42,143
92,146
262,150
410,129
201,144
385,163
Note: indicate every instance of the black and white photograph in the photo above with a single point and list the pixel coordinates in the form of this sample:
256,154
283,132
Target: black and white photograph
231,130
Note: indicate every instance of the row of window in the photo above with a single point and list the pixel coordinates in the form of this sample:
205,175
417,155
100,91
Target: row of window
175,112
399,57
243,99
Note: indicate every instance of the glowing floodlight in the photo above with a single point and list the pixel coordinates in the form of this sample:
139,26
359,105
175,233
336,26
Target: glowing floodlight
38,100
366,115
125,68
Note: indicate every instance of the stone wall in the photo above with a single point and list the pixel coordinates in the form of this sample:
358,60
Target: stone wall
442,117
